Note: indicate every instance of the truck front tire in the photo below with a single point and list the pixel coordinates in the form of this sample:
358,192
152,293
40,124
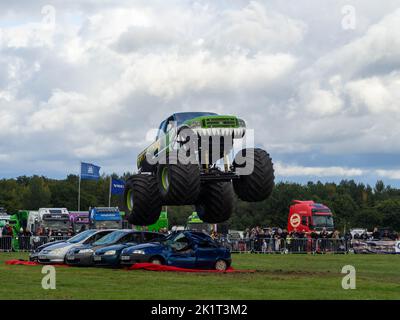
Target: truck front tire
179,184
257,185
142,200
215,203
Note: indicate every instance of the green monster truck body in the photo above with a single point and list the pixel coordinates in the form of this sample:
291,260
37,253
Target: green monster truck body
190,163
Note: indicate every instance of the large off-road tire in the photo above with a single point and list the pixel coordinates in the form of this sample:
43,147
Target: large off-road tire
142,200
215,203
178,184
257,185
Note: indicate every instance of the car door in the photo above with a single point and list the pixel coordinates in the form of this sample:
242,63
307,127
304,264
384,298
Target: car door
206,253
128,238
181,252
134,238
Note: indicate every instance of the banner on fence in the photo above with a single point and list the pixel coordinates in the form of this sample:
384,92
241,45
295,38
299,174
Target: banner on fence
397,248
375,246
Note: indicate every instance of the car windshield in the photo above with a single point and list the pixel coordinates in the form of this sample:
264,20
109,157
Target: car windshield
184,116
81,236
322,221
110,238
201,237
178,242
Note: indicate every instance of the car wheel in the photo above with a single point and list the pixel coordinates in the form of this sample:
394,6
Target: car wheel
157,261
221,265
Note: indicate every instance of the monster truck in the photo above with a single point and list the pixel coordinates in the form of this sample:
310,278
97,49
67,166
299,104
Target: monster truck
190,163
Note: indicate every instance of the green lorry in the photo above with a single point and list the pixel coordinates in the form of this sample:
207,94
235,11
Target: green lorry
191,162
17,222
194,223
161,223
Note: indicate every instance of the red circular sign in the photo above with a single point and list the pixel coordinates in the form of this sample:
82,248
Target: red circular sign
295,220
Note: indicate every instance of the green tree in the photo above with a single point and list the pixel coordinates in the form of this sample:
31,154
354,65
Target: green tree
344,208
37,194
389,211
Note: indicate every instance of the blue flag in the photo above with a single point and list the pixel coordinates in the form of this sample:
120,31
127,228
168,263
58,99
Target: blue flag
117,186
89,171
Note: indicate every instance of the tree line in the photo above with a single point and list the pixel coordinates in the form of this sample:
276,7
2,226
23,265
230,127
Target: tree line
353,204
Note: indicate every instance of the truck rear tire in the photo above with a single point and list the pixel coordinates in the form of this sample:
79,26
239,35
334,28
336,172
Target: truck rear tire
179,184
142,200
257,185
215,202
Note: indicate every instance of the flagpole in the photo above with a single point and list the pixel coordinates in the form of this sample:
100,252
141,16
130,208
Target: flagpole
109,195
79,188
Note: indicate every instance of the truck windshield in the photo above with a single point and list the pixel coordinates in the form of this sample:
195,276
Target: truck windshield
107,224
82,222
184,116
201,227
56,225
322,221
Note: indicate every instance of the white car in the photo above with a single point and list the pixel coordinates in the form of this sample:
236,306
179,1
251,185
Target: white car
56,253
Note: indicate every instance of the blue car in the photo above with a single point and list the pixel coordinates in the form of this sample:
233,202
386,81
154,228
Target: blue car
185,249
110,255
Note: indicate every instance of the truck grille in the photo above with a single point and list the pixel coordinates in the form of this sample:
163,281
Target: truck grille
220,123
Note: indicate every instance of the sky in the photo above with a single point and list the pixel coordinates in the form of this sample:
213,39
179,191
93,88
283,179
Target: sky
90,81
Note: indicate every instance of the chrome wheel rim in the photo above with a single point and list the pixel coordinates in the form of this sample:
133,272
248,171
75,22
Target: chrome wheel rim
220,265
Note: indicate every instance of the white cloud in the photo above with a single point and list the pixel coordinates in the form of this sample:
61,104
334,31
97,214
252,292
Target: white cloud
390,174
171,74
301,171
92,86
376,94
378,47
323,102
255,27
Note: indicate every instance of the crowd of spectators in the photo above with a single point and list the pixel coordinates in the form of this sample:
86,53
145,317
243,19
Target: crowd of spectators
376,234
256,239
265,240
276,239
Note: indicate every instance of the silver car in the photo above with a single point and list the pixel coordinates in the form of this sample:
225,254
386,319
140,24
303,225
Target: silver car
56,253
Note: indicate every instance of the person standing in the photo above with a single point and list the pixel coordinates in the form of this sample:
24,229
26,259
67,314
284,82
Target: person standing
376,234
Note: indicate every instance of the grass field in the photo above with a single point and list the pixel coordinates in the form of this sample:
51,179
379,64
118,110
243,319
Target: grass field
277,277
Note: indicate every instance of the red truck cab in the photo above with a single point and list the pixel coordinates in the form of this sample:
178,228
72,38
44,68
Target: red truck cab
309,216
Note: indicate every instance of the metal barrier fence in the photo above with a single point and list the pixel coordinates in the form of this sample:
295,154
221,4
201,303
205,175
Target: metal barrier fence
289,245
26,243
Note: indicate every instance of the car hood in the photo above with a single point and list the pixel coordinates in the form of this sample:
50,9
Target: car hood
144,246
116,247
62,245
49,244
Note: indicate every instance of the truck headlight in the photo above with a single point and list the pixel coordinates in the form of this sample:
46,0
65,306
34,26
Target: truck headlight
86,251
138,252
110,253
195,124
